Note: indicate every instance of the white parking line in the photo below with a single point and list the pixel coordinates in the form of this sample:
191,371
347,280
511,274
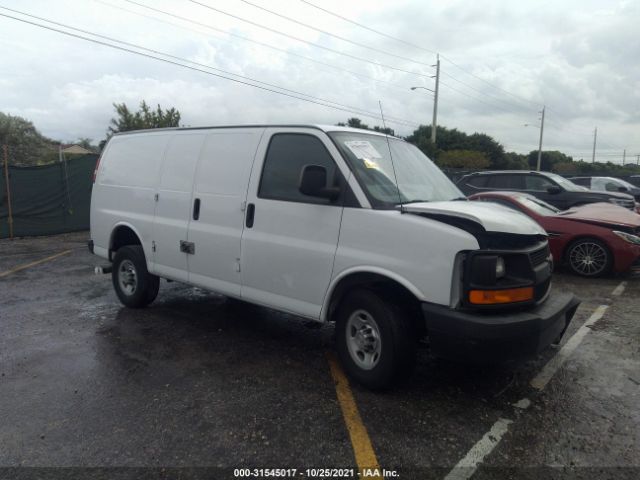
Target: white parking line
540,381
466,467
619,289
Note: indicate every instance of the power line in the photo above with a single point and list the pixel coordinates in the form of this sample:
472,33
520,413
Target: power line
487,94
378,32
111,39
316,45
324,103
475,98
517,97
333,35
246,39
371,48
368,28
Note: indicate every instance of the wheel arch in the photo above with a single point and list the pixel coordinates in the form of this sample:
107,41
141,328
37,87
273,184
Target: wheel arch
123,234
394,286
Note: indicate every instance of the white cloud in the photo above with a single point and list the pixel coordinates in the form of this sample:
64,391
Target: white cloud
579,58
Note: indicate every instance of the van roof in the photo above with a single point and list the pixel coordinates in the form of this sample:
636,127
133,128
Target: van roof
324,128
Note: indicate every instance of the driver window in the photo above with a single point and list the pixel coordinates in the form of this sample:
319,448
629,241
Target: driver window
287,154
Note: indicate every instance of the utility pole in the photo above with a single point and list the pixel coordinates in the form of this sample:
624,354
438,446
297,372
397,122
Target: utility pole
638,160
540,143
595,136
624,156
435,102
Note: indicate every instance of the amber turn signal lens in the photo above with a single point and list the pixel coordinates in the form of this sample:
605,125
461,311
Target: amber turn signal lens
490,297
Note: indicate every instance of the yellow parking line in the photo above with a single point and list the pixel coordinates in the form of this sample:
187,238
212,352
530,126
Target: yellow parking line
32,264
362,448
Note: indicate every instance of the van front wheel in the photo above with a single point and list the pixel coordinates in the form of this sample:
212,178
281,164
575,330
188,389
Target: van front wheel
134,285
374,340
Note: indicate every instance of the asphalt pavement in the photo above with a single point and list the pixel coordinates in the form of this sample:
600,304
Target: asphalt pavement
198,385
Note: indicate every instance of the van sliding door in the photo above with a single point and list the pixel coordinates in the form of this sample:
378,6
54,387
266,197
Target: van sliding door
173,204
217,216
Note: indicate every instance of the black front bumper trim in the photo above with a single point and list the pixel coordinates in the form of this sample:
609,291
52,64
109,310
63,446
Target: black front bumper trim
495,337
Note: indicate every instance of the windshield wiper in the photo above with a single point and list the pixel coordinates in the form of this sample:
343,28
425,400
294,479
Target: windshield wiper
459,199
416,200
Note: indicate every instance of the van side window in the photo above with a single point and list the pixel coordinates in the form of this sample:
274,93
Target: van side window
286,156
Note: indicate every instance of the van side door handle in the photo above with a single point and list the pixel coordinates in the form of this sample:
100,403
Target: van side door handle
251,211
196,209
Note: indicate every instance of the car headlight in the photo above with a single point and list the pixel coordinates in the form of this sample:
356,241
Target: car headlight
628,237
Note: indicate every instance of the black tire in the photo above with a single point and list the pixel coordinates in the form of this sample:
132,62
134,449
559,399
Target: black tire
142,287
585,250
397,351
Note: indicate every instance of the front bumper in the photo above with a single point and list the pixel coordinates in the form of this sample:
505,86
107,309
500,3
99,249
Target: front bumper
496,337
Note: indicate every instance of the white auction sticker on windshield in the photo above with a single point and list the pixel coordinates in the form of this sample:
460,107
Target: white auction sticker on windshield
362,149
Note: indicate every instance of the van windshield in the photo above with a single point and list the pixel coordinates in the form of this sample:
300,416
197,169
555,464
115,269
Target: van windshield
419,180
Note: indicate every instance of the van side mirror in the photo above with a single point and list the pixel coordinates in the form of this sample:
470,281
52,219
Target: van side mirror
623,189
554,189
313,182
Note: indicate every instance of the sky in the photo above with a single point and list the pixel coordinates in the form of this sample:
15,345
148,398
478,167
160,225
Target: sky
500,63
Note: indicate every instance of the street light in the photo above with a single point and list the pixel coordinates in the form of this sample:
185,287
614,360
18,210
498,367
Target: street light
424,88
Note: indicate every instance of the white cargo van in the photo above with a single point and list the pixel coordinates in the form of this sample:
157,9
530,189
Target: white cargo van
331,224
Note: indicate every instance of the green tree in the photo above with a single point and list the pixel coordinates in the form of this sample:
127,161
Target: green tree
385,130
127,120
145,117
516,161
467,159
548,159
26,145
453,139
355,122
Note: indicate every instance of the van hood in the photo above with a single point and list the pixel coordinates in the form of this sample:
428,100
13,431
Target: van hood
490,216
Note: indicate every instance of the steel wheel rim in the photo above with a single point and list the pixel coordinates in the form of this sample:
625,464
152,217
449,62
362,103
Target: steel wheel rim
363,339
127,277
588,258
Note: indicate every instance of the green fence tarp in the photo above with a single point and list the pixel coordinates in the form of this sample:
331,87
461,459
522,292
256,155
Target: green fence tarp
48,199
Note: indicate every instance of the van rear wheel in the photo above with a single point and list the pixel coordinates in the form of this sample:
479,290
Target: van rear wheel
134,285
375,340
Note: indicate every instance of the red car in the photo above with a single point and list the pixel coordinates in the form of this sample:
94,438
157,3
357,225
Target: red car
592,240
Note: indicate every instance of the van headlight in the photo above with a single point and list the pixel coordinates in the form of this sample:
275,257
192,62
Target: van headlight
617,201
628,237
